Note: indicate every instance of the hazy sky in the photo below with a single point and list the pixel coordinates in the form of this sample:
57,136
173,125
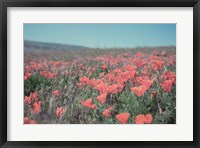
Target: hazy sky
103,35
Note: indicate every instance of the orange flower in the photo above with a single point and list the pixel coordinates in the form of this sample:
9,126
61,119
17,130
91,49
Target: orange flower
101,87
27,121
140,79
157,64
112,88
28,68
126,75
27,100
56,93
120,80
123,117
148,118
88,103
51,75
106,112
104,66
132,74
167,85
111,77
146,83
120,85
34,95
85,80
140,119
139,91
36,107
25,77
101,74
139,62
168,75
130,68
79,84
28,74
138,54
43,73
163,53
59,111
102,98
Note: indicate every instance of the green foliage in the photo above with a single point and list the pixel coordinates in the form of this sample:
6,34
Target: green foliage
35,82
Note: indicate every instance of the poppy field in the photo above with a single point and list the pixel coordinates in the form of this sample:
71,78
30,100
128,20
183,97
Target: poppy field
100,86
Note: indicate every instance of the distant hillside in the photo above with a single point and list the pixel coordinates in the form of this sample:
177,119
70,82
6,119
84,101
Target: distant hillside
32,45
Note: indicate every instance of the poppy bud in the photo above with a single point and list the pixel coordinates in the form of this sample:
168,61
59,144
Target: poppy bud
154,94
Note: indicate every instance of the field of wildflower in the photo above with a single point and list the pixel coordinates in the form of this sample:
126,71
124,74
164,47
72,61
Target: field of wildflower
100,86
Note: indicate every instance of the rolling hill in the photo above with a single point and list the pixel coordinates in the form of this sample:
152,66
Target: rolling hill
33,45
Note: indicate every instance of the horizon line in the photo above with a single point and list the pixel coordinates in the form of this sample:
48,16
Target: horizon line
99,47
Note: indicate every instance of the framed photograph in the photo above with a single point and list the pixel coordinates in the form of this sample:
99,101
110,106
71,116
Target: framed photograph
99,73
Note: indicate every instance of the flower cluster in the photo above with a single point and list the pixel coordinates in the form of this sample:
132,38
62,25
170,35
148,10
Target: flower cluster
109,87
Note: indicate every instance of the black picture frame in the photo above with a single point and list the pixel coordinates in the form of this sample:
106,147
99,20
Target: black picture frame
4,4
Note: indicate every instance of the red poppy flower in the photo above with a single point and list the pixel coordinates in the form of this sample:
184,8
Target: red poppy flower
102,98
56,93
140,119
148,118
139,91
59,111
123,117
106,112
36,107
88,103
167,85
27,121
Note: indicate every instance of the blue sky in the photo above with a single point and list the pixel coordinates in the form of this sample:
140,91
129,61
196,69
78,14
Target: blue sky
103,35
